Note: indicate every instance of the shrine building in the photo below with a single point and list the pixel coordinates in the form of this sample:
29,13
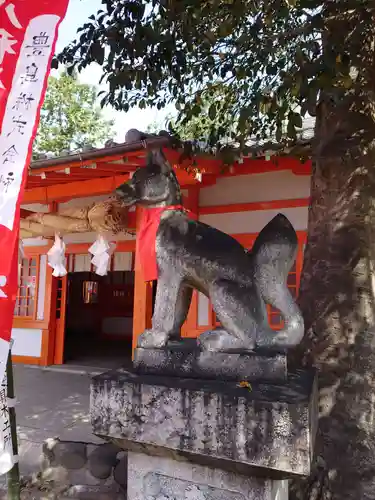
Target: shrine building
86,319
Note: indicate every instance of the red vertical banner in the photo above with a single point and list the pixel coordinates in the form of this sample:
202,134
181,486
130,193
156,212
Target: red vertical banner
28,33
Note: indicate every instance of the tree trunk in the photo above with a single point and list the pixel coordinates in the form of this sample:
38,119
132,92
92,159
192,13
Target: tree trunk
337,300
337,295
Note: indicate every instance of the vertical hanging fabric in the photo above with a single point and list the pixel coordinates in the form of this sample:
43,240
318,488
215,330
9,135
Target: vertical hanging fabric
28,32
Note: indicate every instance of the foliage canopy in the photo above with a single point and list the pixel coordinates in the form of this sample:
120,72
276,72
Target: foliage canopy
264,58
70,118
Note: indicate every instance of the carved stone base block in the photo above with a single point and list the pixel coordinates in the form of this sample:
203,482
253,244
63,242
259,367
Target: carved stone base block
161,478
262,429
186,359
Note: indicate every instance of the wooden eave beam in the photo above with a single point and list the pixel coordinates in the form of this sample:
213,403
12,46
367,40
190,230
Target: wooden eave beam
58,188
76,189
89,167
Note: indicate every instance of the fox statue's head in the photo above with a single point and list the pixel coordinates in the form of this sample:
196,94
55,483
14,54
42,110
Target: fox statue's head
153,185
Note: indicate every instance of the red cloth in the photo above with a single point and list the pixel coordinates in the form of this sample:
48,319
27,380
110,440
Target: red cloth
30,33
146,239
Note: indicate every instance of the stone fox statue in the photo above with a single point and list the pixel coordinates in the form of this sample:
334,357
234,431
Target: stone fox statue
189,254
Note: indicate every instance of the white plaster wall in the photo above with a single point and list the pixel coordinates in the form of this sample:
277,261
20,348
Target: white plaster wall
42,286
253,222
82,263
122,261
91,237
34,242
83,202
36,207
27,342
78,238
270,186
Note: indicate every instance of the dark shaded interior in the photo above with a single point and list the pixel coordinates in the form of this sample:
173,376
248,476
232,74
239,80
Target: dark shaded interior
99,319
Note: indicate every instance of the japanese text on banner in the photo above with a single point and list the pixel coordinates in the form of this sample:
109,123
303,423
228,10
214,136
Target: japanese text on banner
28,32
21,111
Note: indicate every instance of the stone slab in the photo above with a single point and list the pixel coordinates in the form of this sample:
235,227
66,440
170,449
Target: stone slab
268,430
186,359
155,478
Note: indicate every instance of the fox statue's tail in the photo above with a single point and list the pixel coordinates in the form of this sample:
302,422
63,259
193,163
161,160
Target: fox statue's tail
273,255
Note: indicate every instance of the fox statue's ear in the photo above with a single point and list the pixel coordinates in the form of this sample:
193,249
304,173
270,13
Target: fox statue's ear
157,157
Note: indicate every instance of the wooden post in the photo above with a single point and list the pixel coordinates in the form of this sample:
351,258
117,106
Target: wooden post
49,334
58,324
13,476
142,313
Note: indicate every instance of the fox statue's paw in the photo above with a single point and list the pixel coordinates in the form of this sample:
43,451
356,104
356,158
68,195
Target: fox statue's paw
282,340
151,339
221,341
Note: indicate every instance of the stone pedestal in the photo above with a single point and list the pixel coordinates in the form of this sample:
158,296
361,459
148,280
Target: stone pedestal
196,439
160,478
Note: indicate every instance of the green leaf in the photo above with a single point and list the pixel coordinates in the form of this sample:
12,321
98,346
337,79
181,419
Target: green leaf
297,120
70,70
245,114
279,133
196,109
225,29
212,111
98,53
271,70
54,63
296,88
291,130
265,106
347,81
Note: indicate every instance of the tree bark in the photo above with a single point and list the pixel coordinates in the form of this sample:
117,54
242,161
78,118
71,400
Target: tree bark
337,295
